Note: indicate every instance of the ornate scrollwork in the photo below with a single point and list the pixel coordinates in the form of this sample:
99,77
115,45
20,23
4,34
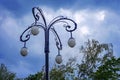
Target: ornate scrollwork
27,36
66,21
37,13
57,39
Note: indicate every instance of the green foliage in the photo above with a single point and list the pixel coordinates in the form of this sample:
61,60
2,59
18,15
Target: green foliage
97,63
63,72
37,76
5,74
57,74
109,70
95,54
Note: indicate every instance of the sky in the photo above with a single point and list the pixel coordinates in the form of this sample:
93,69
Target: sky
96,19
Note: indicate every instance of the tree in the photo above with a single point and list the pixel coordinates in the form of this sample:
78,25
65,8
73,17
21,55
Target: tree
57,73
5,74
109,70
98,63
94,55
37,76
64,71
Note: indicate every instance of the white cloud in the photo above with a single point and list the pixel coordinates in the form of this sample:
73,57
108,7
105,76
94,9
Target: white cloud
85,30
88,24
100,15
79,17
91,24
10,27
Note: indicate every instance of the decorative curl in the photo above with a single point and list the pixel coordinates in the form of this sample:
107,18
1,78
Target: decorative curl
37,13
58,17
27,36
65,21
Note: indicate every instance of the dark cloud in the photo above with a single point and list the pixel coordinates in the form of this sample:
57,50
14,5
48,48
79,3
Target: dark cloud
20,7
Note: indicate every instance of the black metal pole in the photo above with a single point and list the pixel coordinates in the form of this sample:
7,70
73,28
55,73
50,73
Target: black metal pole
47,54
47,66
47,28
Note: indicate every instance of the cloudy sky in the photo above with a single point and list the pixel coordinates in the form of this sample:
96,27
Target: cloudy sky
96,19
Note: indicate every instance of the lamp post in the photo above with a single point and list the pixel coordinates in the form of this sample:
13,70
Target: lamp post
33,29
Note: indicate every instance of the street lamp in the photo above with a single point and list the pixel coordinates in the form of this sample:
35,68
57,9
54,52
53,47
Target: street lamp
33,29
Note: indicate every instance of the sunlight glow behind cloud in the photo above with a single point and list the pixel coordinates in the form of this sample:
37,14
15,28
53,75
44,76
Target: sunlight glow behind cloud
100,15
84,30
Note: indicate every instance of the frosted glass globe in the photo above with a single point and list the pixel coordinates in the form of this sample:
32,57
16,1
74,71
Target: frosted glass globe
71,42
24,51
35,30
58,59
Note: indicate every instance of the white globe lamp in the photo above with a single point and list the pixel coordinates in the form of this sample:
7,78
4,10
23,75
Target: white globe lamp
35,30
24,51
58,59
71,42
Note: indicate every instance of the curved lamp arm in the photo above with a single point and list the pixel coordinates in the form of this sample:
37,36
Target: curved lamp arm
37,13
57,39
27,36
58,17
65,21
